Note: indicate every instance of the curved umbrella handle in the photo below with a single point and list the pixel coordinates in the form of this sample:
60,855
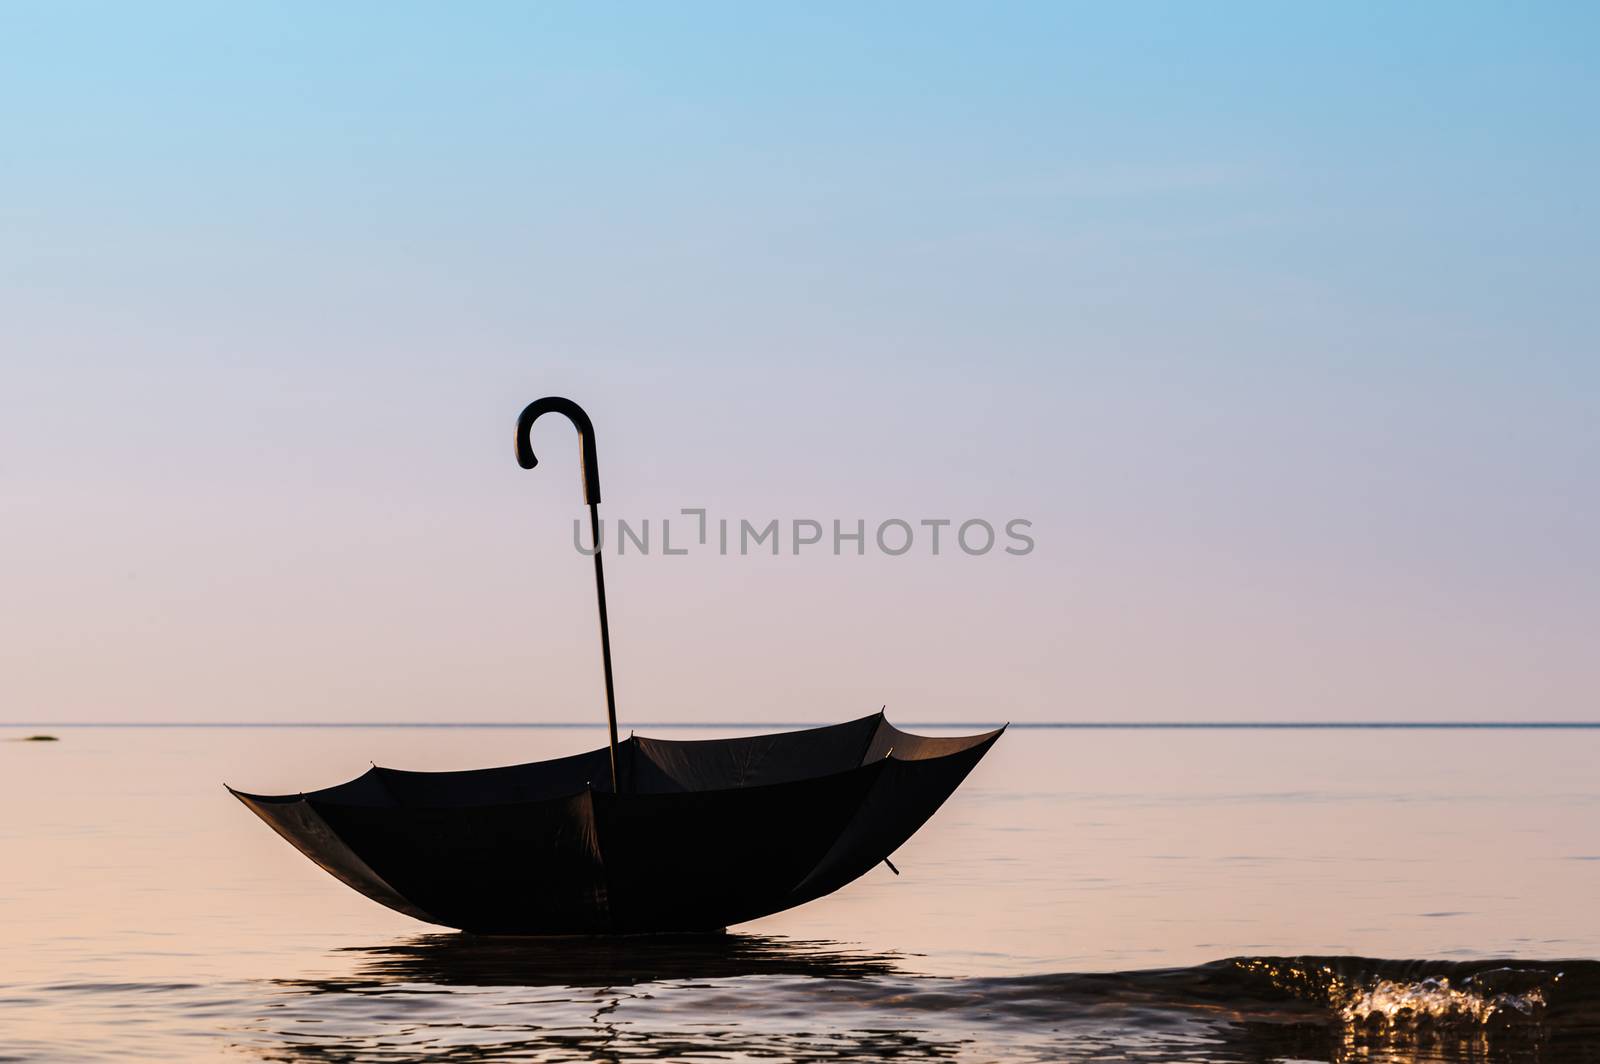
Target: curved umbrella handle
554,404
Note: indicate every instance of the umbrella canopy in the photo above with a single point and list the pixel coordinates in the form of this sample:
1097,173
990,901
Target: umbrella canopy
646,835
706,833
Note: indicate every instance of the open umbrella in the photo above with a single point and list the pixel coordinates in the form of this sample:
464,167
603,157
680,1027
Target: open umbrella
645,835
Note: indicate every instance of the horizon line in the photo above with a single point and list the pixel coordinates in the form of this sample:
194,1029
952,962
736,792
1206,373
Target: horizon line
1151,725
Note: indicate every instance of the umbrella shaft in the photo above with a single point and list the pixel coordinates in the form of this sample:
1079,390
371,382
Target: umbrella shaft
605,640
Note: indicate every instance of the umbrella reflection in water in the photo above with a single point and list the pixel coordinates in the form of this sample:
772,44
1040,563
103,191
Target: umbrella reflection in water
464,960
661,997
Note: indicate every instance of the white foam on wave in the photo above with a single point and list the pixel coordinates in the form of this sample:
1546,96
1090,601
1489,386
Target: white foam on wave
1369,1000
1436,1001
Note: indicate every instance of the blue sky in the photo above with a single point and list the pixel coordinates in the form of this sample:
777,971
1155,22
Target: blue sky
1276,320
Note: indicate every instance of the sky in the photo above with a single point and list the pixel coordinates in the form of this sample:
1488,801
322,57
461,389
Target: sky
1277,323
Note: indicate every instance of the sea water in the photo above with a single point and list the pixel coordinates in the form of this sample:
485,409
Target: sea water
1197,894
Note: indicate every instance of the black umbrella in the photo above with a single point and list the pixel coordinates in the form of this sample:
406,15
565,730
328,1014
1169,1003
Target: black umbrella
646,835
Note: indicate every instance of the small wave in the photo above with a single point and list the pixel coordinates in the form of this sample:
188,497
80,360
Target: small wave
118,988
1359,991
1375,995
1436,1001
767,997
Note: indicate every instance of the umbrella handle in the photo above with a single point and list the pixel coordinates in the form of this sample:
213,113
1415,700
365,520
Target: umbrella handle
554,404
591,494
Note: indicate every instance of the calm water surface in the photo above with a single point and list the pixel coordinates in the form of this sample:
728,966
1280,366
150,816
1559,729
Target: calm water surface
1244,884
